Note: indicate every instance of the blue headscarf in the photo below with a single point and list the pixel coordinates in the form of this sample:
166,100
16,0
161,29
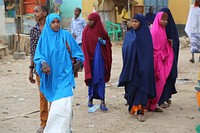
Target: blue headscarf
139,43
172,33
52,49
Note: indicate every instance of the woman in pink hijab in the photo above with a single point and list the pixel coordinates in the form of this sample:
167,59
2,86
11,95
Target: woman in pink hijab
163,57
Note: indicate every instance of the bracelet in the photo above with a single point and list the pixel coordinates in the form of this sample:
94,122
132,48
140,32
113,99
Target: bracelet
31,67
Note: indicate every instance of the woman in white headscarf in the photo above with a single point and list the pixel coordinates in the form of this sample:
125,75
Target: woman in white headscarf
192,29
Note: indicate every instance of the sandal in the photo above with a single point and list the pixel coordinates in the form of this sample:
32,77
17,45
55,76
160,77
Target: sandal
169,101
158,110
103,107
164,105
140,118
192,60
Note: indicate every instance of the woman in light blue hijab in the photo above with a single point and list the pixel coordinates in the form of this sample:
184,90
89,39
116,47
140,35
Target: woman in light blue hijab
54,66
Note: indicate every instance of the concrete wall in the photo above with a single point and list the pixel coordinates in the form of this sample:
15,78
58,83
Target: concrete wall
10,26
67,10
28,23
2,16
180,10
87,8
7,25
140,2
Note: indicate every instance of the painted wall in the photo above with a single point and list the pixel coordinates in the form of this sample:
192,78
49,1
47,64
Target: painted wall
180,10
140,2
67,10
87,8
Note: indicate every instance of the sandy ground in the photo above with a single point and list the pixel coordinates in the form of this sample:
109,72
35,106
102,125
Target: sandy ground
18,98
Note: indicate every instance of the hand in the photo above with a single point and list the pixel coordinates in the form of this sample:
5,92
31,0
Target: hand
170,42
45,68
77,66
87,82
31,76
74,36
101,41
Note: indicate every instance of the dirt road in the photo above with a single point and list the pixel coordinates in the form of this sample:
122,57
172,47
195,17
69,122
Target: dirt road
19,102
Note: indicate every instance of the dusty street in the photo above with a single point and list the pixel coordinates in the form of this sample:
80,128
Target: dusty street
19,102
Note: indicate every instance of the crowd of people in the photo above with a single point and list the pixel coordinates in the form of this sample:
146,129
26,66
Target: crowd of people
149,64
149,72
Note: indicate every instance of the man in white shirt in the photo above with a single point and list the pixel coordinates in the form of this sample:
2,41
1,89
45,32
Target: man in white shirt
77,25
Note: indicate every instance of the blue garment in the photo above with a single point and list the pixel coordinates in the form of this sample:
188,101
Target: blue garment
77,26
150,17
172,33
96,87
133,93
52,49
138,71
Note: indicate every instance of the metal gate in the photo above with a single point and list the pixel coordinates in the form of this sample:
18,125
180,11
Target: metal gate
158,4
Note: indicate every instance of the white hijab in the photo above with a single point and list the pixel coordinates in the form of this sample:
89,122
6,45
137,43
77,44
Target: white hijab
193,21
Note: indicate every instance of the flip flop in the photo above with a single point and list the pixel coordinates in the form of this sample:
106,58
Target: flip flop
156,110
192,60
140,118
159,110
169,101
164,105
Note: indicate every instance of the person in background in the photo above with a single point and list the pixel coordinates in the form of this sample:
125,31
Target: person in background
150,16
77,25
125,18
192,29
53,58
98,59
170,88
137,75
163,57
40,13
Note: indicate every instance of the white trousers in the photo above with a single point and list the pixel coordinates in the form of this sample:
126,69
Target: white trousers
60,116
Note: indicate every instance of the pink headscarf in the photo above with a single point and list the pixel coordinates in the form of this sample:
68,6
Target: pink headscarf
159,37
163,57
163,51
